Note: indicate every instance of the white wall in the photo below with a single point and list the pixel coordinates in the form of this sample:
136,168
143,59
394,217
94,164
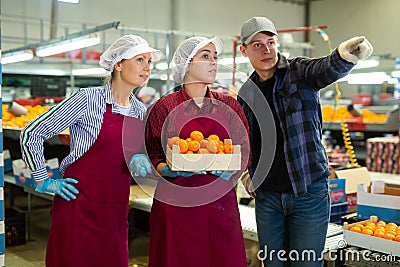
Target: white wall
377,20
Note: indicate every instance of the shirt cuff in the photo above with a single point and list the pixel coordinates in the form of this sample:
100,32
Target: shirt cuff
40,174
341,63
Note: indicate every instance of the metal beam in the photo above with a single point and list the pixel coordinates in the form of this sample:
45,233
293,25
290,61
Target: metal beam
68,37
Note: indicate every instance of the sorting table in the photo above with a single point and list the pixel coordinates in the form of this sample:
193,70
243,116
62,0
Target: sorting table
248,221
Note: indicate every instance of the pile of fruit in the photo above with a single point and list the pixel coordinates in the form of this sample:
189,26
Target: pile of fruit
379,229
196,143
9,120
330,114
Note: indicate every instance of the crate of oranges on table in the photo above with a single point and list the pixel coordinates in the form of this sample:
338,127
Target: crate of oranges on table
198,153
374,235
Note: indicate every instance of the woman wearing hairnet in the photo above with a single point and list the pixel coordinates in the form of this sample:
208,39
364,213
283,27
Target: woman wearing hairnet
90,208
194,219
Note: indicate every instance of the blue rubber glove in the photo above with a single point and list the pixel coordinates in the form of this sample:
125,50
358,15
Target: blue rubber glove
225,175
62,187
140,165
166,171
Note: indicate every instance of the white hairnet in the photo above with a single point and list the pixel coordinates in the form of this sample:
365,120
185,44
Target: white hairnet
187,50
126,47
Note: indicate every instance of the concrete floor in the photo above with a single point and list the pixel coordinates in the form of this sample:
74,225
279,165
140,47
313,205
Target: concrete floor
32,254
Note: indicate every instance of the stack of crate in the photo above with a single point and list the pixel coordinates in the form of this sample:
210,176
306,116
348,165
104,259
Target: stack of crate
383,154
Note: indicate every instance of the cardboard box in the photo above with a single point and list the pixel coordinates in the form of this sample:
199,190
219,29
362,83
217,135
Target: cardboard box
23,175
380,200
7,161
370,242
351,200
200,162
337,211
337,190
353,177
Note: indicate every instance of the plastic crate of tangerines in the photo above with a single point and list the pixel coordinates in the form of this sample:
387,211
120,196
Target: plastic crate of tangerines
374,234
197,153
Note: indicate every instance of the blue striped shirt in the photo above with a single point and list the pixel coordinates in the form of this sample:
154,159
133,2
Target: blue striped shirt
82,113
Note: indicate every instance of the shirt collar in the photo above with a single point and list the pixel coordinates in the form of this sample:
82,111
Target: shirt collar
110,99
210,98
136,106
108,94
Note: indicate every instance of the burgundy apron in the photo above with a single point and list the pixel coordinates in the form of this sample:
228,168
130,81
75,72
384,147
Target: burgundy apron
93,229
208,235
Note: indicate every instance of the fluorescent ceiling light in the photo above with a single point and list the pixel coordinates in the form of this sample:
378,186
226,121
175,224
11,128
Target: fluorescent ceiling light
396,73
393,81
369,63
164,77
17,56
67,45
89,71
162,66
368,78
69,1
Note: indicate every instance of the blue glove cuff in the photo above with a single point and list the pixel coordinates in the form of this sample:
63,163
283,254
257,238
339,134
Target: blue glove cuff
43,185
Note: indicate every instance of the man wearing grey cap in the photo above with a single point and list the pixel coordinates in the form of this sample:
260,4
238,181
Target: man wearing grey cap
289,171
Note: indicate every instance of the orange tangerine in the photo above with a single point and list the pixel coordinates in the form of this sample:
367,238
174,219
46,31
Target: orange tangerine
397,238
370,226
193,145
380,234
359,225
369,223
213,137
380,228
183,146
197,135
381,223
390,236
389,228
221,146
228,149
355,229
367,231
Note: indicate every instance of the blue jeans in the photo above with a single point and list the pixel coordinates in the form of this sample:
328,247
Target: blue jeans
292,230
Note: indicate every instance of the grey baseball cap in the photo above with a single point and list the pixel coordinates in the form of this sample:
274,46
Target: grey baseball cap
255,25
